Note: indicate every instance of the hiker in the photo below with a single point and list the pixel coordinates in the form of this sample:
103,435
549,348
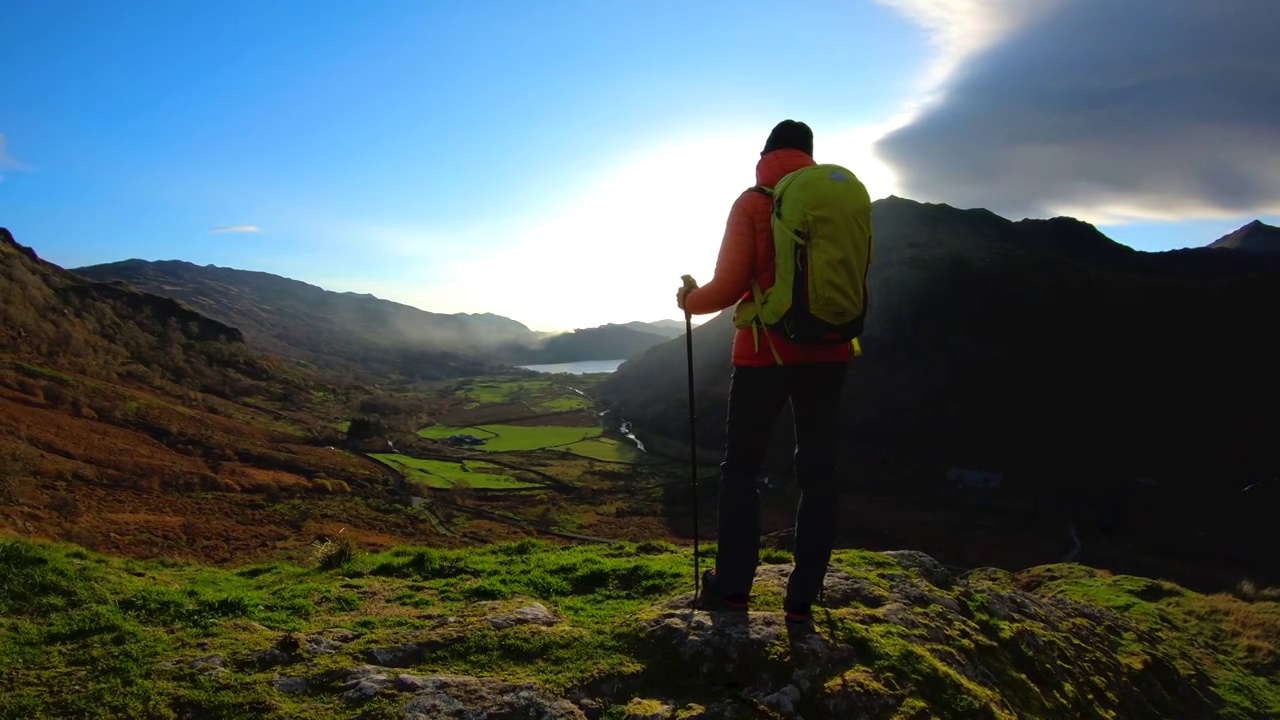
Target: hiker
768,370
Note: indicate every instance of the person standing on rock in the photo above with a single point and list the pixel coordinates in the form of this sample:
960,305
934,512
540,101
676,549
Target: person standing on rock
769,369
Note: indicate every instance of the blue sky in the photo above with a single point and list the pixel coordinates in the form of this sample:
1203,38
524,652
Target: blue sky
561,163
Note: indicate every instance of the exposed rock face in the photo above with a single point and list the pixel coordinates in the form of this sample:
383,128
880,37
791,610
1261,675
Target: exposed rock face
291,685
398,656
531,614
452,697
463,698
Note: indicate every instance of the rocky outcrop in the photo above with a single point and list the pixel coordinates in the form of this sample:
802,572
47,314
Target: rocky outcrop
531,614
894,635
908,633
452,697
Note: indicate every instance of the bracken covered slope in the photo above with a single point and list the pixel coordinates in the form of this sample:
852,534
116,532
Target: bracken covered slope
130,422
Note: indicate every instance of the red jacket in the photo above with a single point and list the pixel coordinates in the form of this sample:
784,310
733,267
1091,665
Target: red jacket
746,252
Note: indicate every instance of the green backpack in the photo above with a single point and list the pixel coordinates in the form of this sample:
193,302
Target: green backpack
822,249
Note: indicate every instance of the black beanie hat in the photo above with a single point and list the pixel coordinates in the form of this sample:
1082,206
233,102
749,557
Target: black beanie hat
789,135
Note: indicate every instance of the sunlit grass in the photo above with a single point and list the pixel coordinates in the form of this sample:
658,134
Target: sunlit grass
445,474
608,449
83,635
508,438
540,396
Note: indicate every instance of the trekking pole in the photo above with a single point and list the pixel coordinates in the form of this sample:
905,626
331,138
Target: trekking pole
689,284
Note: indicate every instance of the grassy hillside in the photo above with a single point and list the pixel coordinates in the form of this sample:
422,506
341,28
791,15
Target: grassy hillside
603,632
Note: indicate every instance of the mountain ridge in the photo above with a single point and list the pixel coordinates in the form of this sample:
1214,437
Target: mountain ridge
360,331
1255,236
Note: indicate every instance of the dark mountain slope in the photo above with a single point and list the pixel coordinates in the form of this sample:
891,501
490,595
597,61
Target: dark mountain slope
1257,236
1001,345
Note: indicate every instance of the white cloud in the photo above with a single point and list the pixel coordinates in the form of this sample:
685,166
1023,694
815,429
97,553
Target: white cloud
7,162
236,229
1109,111
958,29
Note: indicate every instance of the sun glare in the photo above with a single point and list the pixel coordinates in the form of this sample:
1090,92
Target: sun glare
618,246
615,247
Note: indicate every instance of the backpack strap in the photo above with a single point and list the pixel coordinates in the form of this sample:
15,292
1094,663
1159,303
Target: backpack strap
757,324
758,295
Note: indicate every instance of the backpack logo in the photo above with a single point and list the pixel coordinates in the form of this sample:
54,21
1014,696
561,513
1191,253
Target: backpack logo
838,176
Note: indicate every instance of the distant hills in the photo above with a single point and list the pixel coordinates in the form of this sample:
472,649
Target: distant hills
359,332
607,342
666,328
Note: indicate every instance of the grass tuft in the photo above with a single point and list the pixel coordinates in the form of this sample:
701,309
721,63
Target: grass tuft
334,554
1249,591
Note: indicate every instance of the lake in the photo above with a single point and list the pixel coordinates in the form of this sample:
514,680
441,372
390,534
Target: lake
577,368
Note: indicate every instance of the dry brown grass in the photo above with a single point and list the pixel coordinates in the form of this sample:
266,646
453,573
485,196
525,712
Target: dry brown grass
1254,624
1249,591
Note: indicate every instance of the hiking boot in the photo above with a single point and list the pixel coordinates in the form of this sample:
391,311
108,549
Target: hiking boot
711,599
796,613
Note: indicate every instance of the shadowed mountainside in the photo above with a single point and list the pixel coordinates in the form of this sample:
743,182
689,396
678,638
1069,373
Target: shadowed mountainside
1257,236
1043,350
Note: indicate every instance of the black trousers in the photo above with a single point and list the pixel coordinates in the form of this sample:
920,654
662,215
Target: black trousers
756,396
